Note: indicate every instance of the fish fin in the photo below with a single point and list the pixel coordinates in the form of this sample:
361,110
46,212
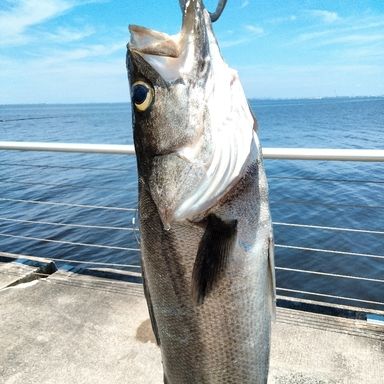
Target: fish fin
215,247
150,307
271,263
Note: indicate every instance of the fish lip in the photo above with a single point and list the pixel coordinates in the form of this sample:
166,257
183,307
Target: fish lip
151,42
175,57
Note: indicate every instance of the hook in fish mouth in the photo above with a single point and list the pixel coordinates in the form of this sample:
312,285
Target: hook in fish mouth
175,56
151,42
215,15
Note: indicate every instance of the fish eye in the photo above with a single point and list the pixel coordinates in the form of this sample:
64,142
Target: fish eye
142,95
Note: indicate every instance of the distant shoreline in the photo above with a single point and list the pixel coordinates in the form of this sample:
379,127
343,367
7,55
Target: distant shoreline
250,99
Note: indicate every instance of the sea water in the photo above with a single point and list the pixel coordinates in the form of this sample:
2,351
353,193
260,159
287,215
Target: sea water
85,204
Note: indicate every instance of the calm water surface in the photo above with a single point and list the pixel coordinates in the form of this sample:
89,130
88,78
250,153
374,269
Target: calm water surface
100,190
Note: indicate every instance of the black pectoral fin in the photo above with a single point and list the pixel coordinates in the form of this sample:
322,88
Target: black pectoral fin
214,250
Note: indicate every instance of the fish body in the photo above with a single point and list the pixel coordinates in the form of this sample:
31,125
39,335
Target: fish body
206,233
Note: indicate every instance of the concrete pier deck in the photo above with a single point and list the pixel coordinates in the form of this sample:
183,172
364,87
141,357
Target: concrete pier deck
60,327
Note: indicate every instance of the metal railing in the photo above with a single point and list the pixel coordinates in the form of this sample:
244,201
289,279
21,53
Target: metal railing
268,153
286,293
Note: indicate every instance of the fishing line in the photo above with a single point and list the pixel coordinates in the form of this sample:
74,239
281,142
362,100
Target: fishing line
71,261
330,228
314,202
68,224
329,251
70,243
64,167
73,186
330,274
327,180
330,296
67,204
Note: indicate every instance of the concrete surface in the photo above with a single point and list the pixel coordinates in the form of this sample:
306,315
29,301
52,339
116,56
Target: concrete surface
11,272
69,328
22,269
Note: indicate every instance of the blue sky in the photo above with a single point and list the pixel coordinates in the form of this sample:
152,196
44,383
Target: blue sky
58,51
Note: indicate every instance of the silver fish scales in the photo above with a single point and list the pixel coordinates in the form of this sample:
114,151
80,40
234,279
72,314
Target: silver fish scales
206,233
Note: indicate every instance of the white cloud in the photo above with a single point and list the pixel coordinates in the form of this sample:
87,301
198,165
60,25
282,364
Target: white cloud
18,19
23,14
78,82
234,42
244,4
353,39
89,74
66,35
253,31
349,31
365,52
325,16
310,36
281,20
57,65
67,57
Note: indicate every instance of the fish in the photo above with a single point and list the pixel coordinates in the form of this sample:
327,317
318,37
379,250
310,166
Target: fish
207,252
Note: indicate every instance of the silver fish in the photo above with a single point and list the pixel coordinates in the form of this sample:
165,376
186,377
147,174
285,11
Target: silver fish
206,233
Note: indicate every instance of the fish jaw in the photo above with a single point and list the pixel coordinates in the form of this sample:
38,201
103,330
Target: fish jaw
194,142
179,56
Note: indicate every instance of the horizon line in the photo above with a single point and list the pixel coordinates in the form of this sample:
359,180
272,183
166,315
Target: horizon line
248,98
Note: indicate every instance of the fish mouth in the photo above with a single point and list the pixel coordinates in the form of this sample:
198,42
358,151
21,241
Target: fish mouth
174,56
149,42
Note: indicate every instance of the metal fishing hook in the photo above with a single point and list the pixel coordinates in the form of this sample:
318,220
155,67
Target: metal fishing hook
215,15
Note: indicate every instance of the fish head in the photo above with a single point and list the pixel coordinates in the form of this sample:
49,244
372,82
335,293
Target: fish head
186,104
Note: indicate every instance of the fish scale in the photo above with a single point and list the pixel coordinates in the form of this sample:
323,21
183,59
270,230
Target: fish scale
206,232
226,340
